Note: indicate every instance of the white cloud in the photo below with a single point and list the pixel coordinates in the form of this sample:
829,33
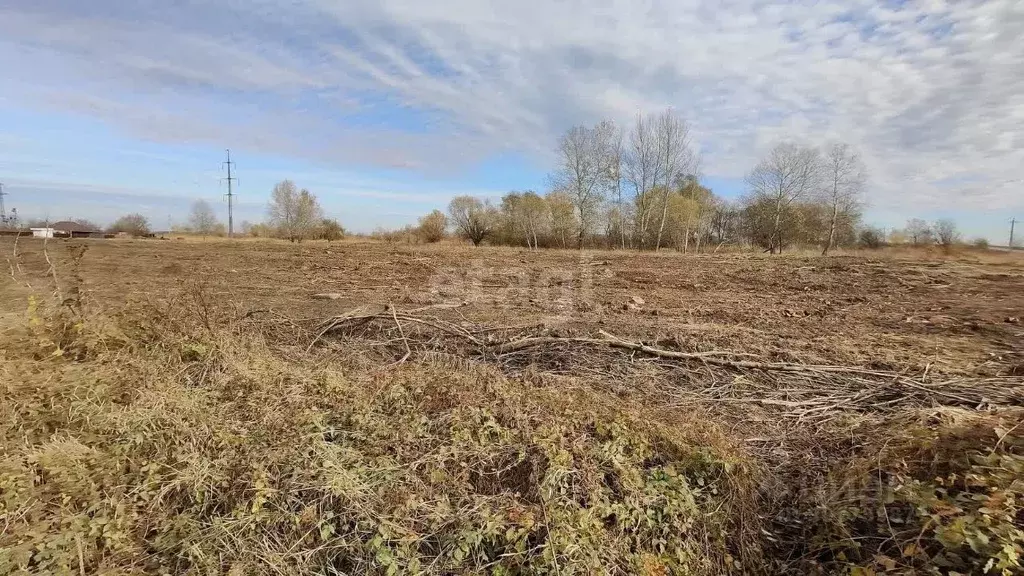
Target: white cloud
929,92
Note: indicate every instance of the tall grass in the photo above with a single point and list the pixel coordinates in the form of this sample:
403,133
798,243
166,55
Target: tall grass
190,438
180,440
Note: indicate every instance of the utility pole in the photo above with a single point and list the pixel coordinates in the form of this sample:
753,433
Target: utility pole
231,214
1013,222
3,211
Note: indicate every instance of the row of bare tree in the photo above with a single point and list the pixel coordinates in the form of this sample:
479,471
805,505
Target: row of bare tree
600,167
792,174
922,233
641,189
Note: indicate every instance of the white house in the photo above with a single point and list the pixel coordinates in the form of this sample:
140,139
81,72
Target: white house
42,232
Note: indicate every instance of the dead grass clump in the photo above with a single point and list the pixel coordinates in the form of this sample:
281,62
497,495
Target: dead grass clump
201,445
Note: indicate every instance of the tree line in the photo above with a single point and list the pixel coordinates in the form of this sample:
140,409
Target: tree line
641,188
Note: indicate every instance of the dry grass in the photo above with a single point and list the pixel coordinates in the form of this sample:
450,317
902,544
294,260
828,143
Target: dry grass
196,412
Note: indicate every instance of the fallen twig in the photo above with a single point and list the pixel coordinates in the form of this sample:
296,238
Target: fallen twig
408,351
820,390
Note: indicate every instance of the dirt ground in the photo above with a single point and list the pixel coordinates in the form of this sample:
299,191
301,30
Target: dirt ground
957,315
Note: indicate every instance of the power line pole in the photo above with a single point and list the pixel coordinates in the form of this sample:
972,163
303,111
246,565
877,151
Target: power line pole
3,211
1013,222
231,213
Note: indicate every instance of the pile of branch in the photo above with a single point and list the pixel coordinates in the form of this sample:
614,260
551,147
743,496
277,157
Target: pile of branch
803,391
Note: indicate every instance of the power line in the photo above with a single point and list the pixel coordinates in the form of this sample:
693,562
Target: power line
3,212
231,213
1013,222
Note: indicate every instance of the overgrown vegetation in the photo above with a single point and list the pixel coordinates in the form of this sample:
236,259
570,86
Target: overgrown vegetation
131,224
945,497
182,434
164,443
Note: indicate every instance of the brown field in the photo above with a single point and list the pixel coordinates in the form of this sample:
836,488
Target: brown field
795,375
893,312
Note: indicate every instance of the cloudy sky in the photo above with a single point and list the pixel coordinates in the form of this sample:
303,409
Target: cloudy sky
387,108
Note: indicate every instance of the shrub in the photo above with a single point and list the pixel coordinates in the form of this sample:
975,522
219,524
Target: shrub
406,235
433,227
188,444
948,496
980,242
872,238
946,232
331,230
133,224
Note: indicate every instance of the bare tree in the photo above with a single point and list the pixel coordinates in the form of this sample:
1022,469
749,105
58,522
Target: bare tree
534,210
642,170
584,155
473,219
698,209
726,224
133,224
513,227
845,174
202,220
946,232
659,152
525,214
309,215
676,157
84,222
562,216
613,182
295,214
919,232
789,173
283,209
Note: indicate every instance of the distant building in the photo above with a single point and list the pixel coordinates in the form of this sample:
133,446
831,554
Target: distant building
42,232
68,229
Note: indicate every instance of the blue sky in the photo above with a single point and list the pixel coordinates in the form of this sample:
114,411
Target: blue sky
387,108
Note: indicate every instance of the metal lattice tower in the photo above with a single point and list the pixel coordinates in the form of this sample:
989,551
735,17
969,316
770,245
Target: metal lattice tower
231,212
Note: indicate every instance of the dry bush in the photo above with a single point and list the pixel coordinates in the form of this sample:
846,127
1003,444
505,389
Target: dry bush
433,227
179,439
872,238
406,235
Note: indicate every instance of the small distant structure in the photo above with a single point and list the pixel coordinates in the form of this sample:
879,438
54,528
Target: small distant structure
70,229
5,220
67,229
